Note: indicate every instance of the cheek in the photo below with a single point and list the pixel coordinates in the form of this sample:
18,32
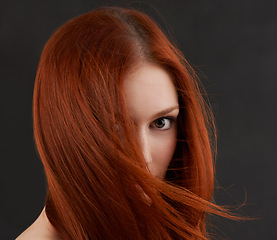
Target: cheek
163,150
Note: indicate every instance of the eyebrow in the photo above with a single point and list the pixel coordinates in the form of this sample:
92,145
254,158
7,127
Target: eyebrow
165,111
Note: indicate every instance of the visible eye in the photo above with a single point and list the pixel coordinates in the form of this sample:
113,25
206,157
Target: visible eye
163,123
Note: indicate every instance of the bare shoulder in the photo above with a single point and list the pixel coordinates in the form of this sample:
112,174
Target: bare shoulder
41,229
28,236
32,233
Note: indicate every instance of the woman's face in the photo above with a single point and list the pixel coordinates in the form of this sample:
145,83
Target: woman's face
153,106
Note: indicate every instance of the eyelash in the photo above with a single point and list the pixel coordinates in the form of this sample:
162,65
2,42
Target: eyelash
171,120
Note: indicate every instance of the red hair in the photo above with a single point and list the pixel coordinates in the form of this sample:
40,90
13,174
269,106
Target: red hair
97,177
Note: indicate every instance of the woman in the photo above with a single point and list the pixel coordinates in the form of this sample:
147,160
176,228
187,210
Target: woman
123,133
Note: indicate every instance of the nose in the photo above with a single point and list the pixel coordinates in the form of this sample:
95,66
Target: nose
145,146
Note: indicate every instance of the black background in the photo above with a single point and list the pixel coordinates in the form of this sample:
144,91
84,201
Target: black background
232,44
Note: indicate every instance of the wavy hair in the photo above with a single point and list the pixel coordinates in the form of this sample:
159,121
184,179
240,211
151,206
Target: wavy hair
98,183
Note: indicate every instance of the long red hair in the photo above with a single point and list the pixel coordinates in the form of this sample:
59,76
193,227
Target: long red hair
97,178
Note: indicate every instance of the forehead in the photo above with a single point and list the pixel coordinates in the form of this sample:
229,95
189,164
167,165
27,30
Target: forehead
149,89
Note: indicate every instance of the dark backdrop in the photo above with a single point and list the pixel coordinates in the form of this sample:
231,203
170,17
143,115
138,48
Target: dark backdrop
232,44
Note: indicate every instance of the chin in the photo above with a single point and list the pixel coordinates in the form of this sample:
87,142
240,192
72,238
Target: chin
160,177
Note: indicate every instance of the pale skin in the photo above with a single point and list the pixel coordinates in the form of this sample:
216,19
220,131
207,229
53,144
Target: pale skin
41,229
152,103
